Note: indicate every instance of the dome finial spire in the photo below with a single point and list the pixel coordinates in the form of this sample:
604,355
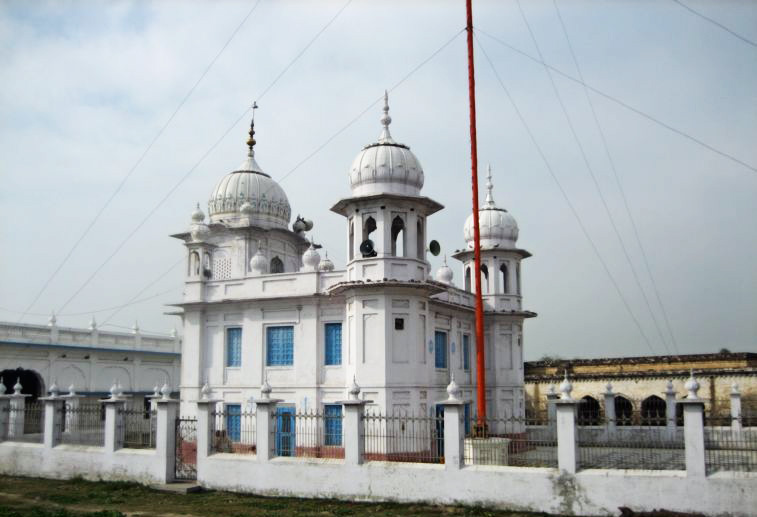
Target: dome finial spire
251,141
386,137
489,186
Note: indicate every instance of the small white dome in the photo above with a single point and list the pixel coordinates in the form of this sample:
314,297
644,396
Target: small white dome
198,216
326,264
258,262
311,258
249,185
444,274
386,166
497,228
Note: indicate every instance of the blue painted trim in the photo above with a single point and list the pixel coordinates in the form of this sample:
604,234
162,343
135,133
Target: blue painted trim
85,348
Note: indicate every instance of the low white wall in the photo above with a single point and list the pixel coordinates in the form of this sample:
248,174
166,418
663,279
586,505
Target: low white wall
68,461
590,492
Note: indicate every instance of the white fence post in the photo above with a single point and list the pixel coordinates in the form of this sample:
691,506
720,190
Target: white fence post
265,407
353,435
53,418
693,430
454,427
610,409
205,427
114,428
165,434
566,428
670,410
735,408
73,416
552,397
17,411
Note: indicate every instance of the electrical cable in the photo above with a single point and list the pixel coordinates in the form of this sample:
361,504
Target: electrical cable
618,182
589,168
622,103
565,196
205,155
717,23
137,163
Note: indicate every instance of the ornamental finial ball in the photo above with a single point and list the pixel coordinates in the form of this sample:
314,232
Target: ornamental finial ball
566,388
165,391
692,386
453,390
17,387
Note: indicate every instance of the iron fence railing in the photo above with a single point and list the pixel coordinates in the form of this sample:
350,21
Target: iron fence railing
403,437
516,441
310,434
83,424
729,446
26,424
233,432
139,427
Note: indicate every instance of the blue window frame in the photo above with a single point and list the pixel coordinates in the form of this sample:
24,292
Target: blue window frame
466,417
280,346
234,422
285,431
234,347
440,349
333,344
466,352
332,424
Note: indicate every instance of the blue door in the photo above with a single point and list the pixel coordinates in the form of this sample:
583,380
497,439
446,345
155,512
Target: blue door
439,438
285,433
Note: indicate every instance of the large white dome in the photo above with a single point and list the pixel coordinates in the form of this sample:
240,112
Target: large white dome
386,167
497,228
249,193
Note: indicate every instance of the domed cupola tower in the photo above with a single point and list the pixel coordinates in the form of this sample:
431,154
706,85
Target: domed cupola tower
500,256
386,215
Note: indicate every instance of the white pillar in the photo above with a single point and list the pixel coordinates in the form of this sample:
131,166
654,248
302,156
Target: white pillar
114,428
354,439
551,411
735,408
16,414
165,436
53,420
454,433
265,442
205,409
670,410
566,428
693,429
610,418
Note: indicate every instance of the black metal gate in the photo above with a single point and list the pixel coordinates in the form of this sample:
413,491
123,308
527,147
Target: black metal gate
185,463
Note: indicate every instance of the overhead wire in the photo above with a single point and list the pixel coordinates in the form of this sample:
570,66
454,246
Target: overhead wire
343,128
204,156
621,103
593,176
716,23
623,196
134,167
565,196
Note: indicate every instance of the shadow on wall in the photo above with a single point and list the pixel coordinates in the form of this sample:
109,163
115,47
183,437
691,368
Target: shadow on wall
31,382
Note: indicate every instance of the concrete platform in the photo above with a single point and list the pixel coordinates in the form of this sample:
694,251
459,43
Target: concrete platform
183,487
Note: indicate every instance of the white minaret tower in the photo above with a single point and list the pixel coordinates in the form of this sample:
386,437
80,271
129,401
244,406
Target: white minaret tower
502,295
387,289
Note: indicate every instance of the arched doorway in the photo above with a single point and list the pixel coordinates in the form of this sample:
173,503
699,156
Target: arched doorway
653,411
623,411
31,382
588,411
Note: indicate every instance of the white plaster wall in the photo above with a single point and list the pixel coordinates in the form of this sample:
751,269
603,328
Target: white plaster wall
591,492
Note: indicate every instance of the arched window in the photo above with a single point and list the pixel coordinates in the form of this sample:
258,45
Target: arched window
352,239
517,276
467,279
369,227
420,251
485,280
277,266
194,263
588,411
398,237
623,411
653,410
505,282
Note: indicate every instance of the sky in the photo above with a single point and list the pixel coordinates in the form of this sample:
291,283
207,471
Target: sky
86,87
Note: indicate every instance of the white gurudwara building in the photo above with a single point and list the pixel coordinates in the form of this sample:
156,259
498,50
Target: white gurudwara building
260,303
